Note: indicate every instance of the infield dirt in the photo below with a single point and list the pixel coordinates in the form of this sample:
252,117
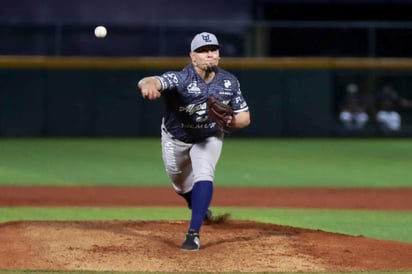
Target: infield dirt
232,246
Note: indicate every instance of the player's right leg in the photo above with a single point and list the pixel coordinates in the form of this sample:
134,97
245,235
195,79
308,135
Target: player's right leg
175,155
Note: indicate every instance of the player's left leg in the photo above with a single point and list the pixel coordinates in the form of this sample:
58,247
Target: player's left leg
204,157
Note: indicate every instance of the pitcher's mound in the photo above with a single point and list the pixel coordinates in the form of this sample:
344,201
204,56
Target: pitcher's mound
232,246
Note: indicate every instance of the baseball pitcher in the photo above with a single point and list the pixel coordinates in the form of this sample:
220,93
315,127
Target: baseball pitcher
203,101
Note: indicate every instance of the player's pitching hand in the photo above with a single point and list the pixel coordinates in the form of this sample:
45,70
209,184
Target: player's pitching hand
149,88
150,93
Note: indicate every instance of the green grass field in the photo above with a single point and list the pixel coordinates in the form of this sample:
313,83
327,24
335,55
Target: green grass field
244,162
377,163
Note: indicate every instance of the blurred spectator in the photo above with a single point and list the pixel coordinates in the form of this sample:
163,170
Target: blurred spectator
388,104
352,112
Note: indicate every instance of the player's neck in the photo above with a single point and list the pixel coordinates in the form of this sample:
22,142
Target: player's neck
206,75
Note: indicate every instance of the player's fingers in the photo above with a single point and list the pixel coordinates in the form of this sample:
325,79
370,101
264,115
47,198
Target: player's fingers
153,94
150,93
229,121
147,93
144,93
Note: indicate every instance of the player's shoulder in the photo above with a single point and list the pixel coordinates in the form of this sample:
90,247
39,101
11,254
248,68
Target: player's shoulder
228,79
226,74
184,74
188,71
180,73
174,77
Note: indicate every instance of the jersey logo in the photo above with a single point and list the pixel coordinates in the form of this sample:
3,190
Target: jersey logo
228,93
193,108
197,111
169,80
172,77
193,88
227,83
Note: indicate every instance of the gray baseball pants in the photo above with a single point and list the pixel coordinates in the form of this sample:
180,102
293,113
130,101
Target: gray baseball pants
188,163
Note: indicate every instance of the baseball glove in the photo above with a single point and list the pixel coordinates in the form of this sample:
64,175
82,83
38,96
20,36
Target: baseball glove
219,112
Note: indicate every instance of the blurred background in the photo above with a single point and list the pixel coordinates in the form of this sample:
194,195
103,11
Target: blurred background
307,68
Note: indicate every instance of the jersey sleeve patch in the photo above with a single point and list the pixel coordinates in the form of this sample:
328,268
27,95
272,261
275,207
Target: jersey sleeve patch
169,80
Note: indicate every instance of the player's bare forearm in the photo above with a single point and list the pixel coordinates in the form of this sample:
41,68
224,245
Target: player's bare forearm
150,87
240,120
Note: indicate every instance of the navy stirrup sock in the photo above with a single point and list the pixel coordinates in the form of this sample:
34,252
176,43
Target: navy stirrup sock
188,197
202,193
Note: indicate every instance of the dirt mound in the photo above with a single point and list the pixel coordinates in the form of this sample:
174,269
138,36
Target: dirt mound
233,246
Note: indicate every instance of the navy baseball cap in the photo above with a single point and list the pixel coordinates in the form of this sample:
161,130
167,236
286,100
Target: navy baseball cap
203,39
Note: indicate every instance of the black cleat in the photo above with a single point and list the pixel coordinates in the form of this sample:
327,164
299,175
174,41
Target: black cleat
192,241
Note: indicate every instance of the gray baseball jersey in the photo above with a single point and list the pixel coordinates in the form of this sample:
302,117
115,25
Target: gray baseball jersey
191,142
186,94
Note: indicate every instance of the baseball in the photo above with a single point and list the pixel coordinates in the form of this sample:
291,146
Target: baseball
100,32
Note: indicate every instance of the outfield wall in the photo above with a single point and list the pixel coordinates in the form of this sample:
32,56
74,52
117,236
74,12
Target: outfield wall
46,96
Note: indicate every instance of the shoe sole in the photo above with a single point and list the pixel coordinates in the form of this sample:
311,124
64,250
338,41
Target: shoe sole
190,250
